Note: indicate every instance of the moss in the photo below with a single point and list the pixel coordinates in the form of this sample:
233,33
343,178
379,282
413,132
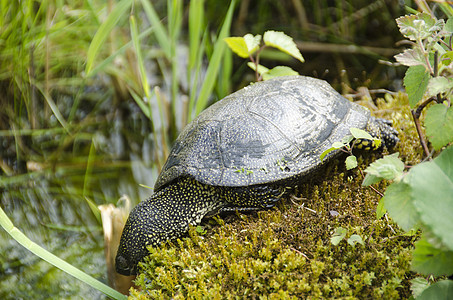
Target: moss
286,253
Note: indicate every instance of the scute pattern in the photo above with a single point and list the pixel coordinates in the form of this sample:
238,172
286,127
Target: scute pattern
266,132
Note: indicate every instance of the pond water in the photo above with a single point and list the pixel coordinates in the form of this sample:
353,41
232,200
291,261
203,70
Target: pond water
45,197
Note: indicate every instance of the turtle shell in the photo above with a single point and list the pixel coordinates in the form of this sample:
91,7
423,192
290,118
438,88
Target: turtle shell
265,132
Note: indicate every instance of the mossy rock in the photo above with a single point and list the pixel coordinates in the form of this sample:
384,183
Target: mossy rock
286,252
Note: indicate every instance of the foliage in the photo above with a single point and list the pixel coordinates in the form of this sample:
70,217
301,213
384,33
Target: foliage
250,45
423,196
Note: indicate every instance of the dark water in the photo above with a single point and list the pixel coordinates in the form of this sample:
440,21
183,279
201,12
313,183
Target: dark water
45,197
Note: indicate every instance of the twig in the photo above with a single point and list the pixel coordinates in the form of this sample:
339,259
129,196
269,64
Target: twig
416,115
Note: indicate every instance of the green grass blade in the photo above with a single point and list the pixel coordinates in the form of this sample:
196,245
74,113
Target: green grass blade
138,52
214,63
159,29
196,18
22,239
103,32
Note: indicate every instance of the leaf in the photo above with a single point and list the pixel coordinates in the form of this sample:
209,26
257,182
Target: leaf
335,146
449,26
279,71
410,57
416,81
261,69
389,167
419,26
354,239
244,46
400,206
351,162
338,235
418,285
432,194
360,134
441,290
380,209
439,125
253,42
437,85
371,179
283,42
427,259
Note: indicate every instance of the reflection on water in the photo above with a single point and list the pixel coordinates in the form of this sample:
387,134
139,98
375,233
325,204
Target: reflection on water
101,162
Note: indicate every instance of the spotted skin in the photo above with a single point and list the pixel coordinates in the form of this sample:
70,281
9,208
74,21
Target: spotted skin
241,154
169,212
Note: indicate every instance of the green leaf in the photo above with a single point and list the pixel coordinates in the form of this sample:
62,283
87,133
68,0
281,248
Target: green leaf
371,179
416,81
427,259
282,42
439,125
354,239
244,46
338,235
411,57
441,290
418,285
400,206
389,167
432,194
380,209
438,85
360,134
351,162
261,69
279,71
323,155
449,26
419,26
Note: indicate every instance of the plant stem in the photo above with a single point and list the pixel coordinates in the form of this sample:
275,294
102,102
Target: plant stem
416,115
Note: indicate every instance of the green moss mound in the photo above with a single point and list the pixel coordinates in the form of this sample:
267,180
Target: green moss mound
286,252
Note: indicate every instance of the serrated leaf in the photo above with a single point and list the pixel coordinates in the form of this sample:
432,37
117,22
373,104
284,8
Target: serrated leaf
419,26
437,85
415,82
253,42
410,57
418,285
360,134
237,45
351,162
283,42
261,69
439,125
432,194
338,235
389,167
355,239
441,290
400,206
279,71
426,259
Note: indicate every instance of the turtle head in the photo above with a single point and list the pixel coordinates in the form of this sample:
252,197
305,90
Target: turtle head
139,232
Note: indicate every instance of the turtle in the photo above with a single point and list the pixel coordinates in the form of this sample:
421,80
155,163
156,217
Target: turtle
241,154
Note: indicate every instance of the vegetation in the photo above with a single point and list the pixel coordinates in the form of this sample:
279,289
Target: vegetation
295,250
94,93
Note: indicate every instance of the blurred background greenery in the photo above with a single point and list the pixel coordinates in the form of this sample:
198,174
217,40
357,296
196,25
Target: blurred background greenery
93,93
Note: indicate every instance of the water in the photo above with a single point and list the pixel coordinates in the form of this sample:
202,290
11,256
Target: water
47,201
